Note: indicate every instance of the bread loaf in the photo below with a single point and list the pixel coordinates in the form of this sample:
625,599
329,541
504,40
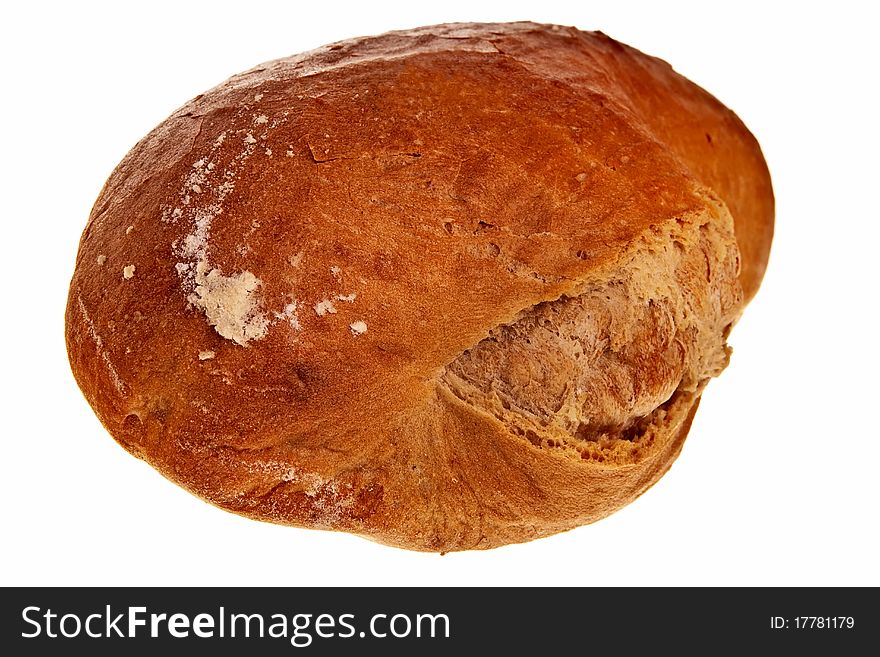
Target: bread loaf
448,288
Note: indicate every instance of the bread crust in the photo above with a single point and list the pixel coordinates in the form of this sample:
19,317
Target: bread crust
273,284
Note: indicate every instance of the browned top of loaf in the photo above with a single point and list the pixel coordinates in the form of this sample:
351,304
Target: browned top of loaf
353,219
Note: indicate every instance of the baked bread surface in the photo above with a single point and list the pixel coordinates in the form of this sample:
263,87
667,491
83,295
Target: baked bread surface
448,288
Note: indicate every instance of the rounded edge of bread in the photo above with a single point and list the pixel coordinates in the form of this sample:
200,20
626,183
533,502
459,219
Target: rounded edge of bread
280,289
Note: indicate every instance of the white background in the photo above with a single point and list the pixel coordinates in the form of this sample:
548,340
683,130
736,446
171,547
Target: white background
777,484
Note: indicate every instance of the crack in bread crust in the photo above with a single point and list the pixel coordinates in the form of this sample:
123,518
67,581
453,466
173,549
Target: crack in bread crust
602,365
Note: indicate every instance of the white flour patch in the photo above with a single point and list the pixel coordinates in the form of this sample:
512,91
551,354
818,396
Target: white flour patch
289,314
229,303
325,307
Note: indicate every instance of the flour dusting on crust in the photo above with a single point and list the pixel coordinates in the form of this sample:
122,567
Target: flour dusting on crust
229,303
99,344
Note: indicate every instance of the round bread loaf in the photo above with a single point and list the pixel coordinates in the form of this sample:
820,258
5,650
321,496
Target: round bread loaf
448,288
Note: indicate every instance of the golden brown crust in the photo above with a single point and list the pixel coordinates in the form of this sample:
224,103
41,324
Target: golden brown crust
273,283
